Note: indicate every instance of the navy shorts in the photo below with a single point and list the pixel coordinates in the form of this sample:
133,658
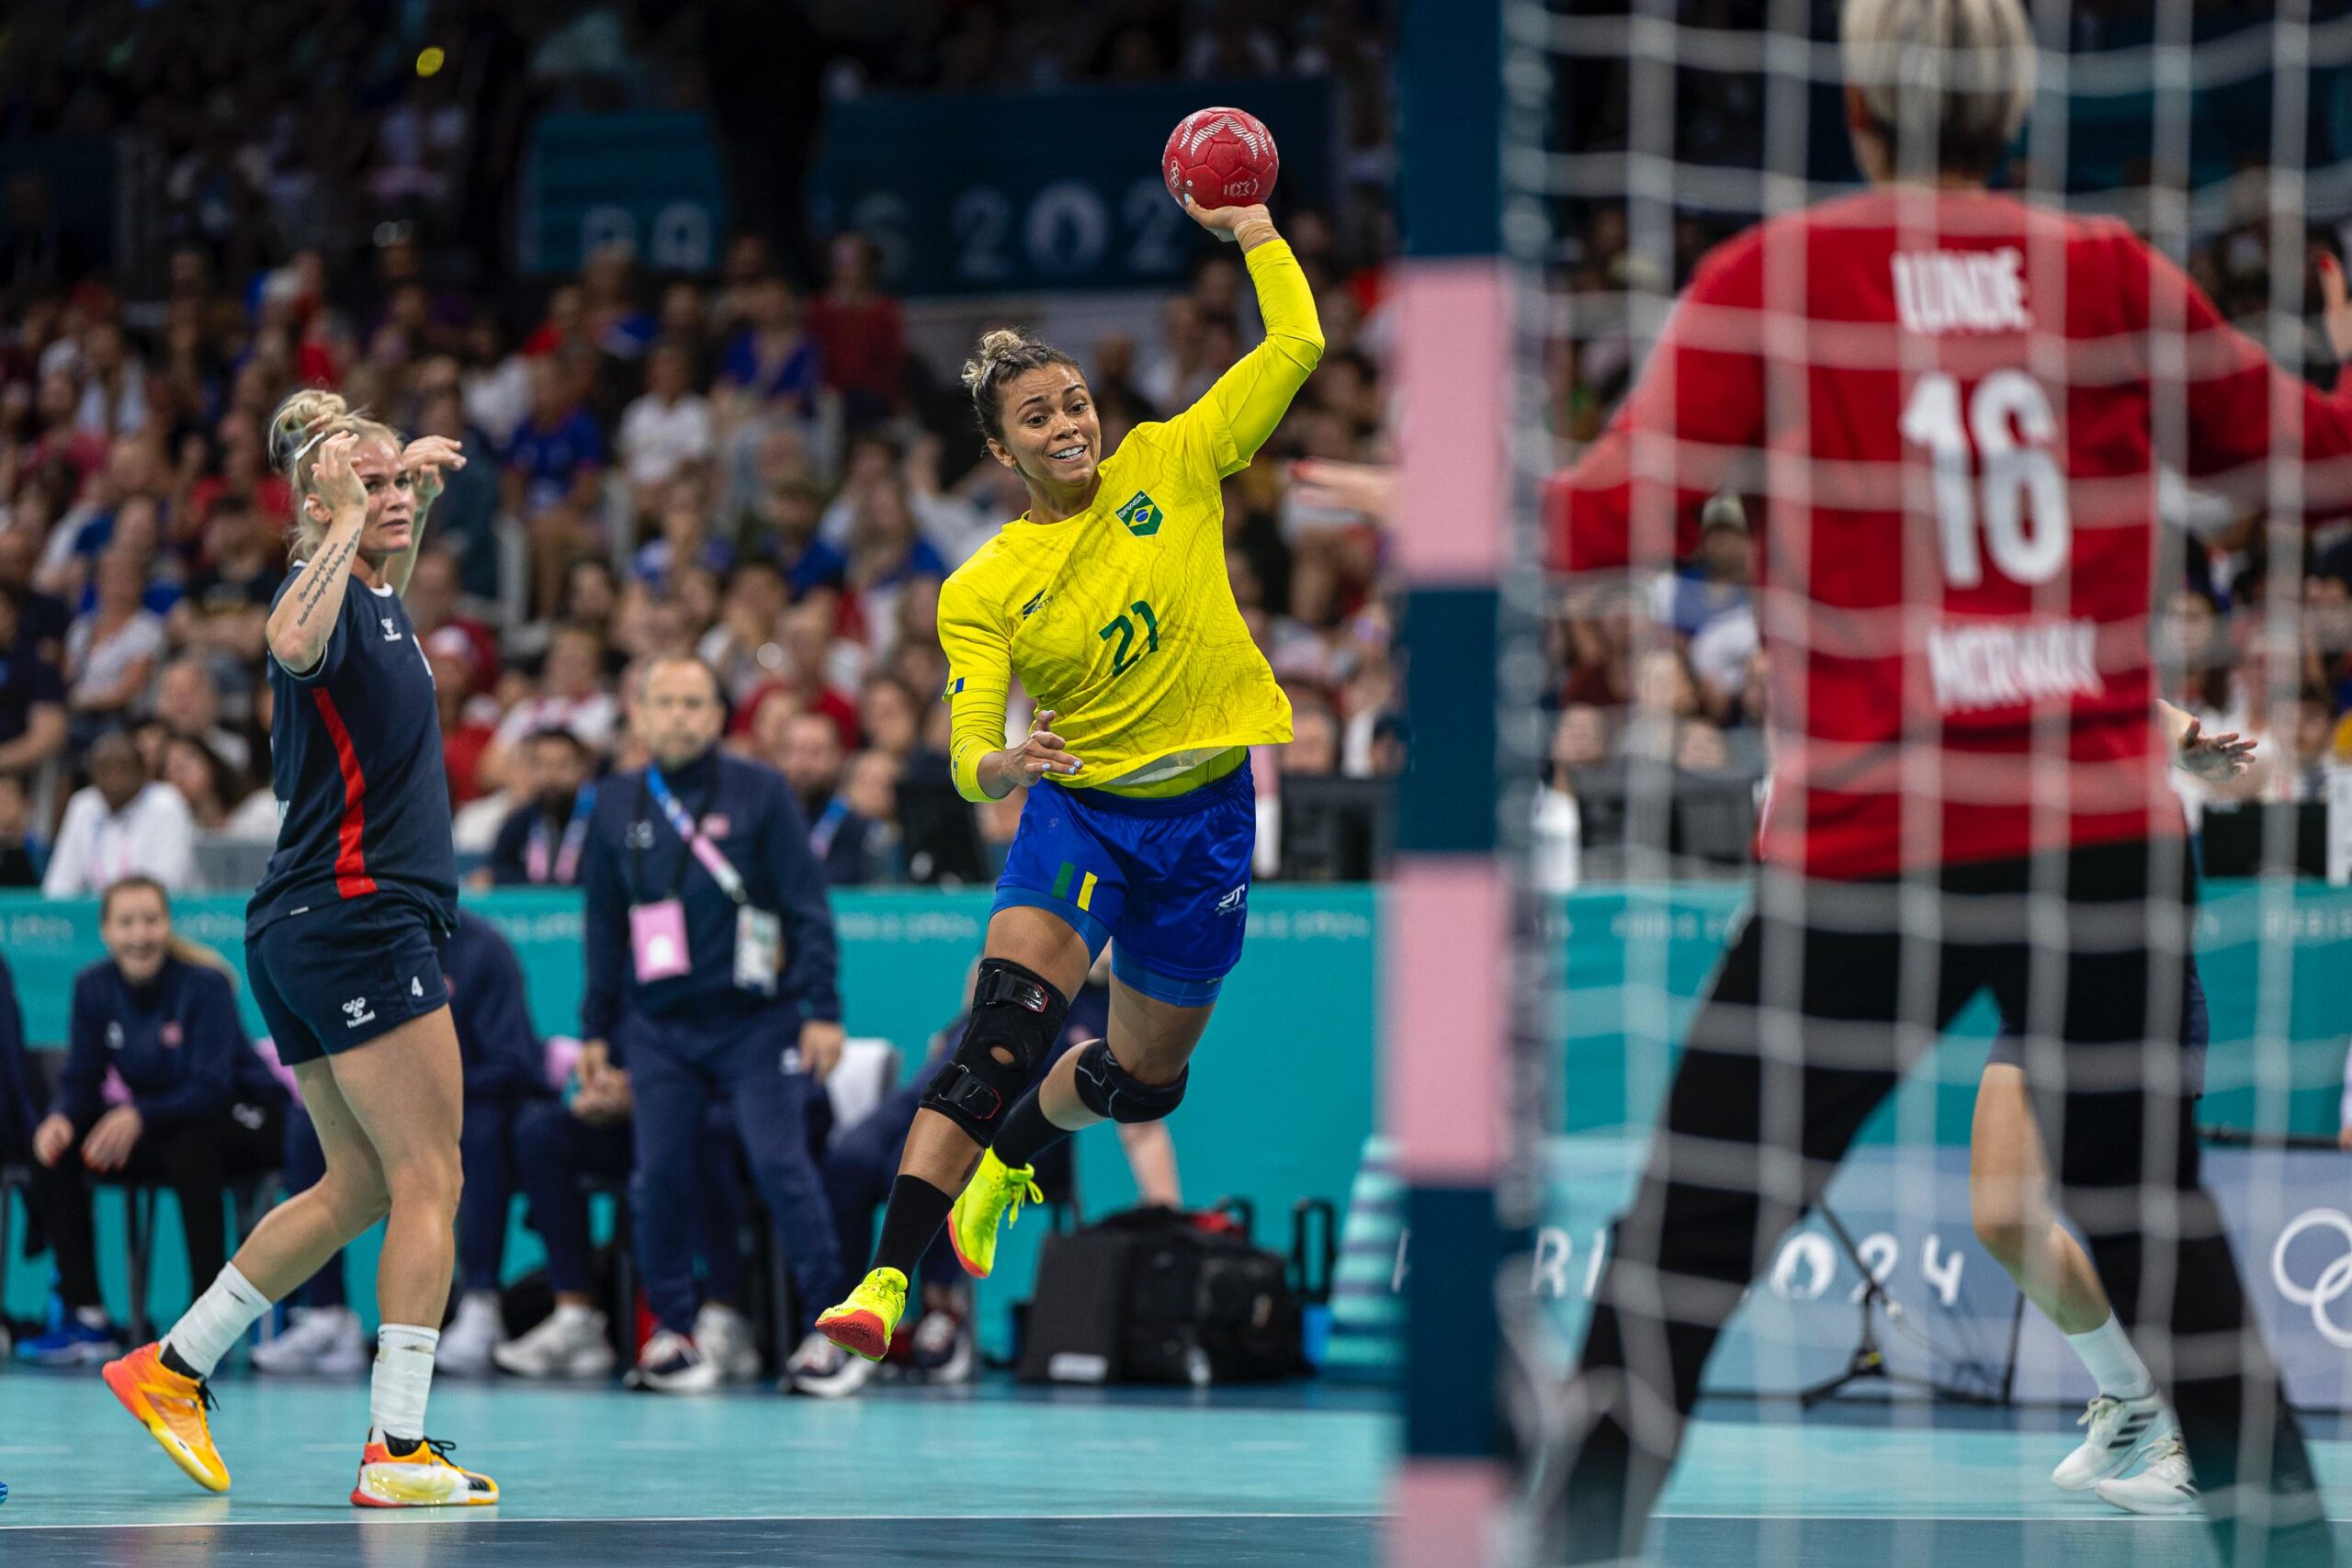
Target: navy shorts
338,974
2196,1032
1166,882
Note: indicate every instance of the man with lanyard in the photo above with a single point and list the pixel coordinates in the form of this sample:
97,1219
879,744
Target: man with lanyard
710,962
540,843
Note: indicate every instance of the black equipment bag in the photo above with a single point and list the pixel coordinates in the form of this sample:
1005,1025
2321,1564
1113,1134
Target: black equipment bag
1160,1295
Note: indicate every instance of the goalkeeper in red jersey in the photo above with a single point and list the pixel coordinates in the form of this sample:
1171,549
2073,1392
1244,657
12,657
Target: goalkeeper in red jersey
1960,403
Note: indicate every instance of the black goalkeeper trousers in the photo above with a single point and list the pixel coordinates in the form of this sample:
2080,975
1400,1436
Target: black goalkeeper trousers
1826,993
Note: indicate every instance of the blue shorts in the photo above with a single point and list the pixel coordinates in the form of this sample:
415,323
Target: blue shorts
340,974
2196,1034
1166,882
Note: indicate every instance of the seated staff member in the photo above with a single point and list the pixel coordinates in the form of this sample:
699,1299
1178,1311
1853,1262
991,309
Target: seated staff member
159,1085
504,1074
541,842
710,974
863,1162
589,1135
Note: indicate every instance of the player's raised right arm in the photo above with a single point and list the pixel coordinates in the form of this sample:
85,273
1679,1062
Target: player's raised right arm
303,622
1236,415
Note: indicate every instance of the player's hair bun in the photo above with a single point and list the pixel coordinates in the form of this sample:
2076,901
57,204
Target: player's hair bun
998,358
996,348
289,427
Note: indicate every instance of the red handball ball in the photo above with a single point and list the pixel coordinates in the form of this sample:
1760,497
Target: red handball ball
1221,158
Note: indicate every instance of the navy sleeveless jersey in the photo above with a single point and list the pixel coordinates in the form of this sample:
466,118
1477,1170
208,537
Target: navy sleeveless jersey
355,760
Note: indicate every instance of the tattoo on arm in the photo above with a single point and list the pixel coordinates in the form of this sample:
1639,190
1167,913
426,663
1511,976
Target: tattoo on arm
322,575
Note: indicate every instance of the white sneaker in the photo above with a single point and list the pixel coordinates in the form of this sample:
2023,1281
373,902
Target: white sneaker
943,1349
670,1364
2122,1431
823,1368
318,1342
572,1342
725,1336
467,1344
2164,1487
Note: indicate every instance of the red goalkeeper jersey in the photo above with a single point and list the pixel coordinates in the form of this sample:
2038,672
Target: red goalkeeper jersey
1953,407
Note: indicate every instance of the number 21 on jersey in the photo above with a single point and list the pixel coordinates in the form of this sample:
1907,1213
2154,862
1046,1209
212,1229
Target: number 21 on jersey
1122,633
2008,487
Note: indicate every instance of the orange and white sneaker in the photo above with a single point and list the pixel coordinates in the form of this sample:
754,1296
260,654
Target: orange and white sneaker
172,1408
420,1478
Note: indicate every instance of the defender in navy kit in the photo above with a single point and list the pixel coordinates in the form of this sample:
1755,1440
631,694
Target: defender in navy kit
342,945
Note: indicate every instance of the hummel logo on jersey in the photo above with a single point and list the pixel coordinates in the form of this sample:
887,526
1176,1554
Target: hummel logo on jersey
415,985
1036,604
114,1037
391,629
356,1011
1142,515
1231,903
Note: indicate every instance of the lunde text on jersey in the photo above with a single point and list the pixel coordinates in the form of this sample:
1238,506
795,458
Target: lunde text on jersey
1961,291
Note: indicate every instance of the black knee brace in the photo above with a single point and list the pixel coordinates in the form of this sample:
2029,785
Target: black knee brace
1014,1011
1109,1090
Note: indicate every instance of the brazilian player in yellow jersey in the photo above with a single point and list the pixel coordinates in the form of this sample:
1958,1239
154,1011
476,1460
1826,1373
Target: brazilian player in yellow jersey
1108,601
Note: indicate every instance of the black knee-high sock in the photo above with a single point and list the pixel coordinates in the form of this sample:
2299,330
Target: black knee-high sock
917,1210
1027,1131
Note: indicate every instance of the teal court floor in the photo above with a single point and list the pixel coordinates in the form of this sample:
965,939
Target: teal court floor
993,1475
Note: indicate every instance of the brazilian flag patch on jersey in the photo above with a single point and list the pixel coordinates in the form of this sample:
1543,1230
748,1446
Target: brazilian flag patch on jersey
1141,515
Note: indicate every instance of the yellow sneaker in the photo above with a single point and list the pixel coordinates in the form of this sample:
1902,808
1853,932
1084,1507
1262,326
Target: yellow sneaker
863,1324
172,1408
420,1478
996,1192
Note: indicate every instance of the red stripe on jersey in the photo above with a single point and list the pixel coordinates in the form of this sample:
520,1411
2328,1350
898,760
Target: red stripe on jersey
351,878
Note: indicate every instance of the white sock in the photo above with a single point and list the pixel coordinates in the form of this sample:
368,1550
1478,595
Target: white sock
403,1379
2117,1368
229,1305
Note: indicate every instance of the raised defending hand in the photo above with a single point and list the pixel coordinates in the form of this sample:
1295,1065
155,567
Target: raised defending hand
425,457
2216,756
333,483
1368,489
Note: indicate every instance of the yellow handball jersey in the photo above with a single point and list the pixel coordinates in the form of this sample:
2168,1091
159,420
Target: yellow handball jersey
1121,619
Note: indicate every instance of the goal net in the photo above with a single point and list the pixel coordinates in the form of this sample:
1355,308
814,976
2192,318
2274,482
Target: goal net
2005,493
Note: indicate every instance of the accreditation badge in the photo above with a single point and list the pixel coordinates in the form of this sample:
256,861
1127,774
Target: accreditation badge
657,938
759,949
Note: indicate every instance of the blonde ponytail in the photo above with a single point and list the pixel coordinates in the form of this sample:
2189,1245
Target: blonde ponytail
189,951
301,424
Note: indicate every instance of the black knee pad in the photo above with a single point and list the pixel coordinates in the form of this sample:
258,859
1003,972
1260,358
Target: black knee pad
1108,1090
1015,1011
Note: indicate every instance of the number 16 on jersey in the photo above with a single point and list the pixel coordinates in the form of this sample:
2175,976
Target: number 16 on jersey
2008,485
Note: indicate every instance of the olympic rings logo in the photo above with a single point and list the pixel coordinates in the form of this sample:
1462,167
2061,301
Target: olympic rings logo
2334,1282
